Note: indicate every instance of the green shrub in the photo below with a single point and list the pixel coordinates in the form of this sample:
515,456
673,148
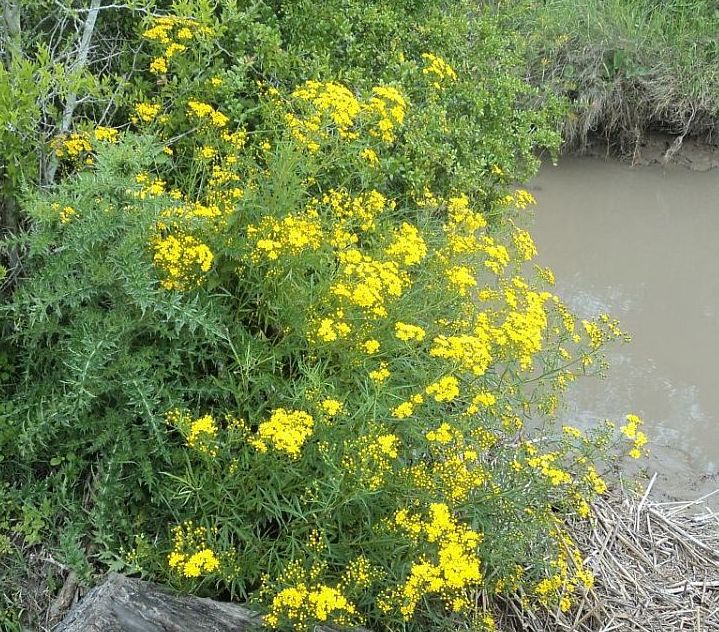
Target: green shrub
310,337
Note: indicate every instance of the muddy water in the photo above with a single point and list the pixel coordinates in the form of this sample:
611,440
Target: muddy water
643,245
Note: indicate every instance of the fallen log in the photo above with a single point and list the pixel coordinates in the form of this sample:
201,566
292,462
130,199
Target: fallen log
123,604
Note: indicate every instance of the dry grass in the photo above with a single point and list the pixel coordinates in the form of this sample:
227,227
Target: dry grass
656,567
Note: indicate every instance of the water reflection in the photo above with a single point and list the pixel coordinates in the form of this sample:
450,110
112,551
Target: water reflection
643,245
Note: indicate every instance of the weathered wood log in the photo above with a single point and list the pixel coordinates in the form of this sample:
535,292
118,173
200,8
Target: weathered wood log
122,604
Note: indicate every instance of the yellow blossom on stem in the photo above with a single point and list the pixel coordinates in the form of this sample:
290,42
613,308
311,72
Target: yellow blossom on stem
285,430
407,332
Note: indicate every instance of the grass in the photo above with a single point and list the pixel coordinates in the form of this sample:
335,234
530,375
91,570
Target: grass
628,66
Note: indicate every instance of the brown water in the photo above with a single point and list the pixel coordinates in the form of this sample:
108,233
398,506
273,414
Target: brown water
643,245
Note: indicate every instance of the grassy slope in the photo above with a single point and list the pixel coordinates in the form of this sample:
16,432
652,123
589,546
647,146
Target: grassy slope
627,64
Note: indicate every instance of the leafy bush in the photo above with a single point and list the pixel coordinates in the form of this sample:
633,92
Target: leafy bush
308,334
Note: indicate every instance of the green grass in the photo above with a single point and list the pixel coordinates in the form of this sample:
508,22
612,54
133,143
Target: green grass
628,65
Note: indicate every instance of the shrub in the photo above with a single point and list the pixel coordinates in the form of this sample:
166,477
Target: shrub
312,340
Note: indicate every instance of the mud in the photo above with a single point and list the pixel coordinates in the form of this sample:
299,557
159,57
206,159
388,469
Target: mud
665,150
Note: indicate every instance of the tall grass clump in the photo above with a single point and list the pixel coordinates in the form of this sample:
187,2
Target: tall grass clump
628,66
280,338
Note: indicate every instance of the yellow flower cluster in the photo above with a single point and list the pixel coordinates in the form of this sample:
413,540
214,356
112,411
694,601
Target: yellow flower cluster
470,352
183,259
569,573
302,603
522,199
369,284
307,600
331,329
439,70
445,389
352,213
170,32
381,374
370,155
292,234
461,278
200,433
64,213
389,108
497,255
407,332
462,226
331,106
456,569
546,464
370,458
106,134
146,112
285,430
331,103
370,347
456,471
74,146
599,486
444,434
406,409
205,112
332,407
524,244
631,431
150,187
191,556
407,245
522,330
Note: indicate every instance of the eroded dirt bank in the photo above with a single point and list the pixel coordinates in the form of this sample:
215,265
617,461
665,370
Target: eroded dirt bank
666,150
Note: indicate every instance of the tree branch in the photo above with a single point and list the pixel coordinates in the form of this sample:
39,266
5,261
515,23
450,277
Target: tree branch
78,66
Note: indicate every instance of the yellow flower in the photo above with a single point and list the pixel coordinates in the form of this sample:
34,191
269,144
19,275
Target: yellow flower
404,410
66,214
106,134
332,406
159,66
286,430
370,155
439,68
444,390
370,347
147,112
173,49
191,556
381,374
406,332
183,259
203,111
208,152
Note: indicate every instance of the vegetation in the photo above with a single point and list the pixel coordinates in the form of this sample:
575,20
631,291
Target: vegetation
271,327
628,66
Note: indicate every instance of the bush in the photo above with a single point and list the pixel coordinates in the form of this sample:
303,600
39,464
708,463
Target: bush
310,337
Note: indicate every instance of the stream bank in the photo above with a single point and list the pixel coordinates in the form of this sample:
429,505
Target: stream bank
695,153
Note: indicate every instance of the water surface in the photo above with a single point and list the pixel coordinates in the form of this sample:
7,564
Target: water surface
643,245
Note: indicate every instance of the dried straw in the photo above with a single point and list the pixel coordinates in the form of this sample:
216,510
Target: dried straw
656,567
